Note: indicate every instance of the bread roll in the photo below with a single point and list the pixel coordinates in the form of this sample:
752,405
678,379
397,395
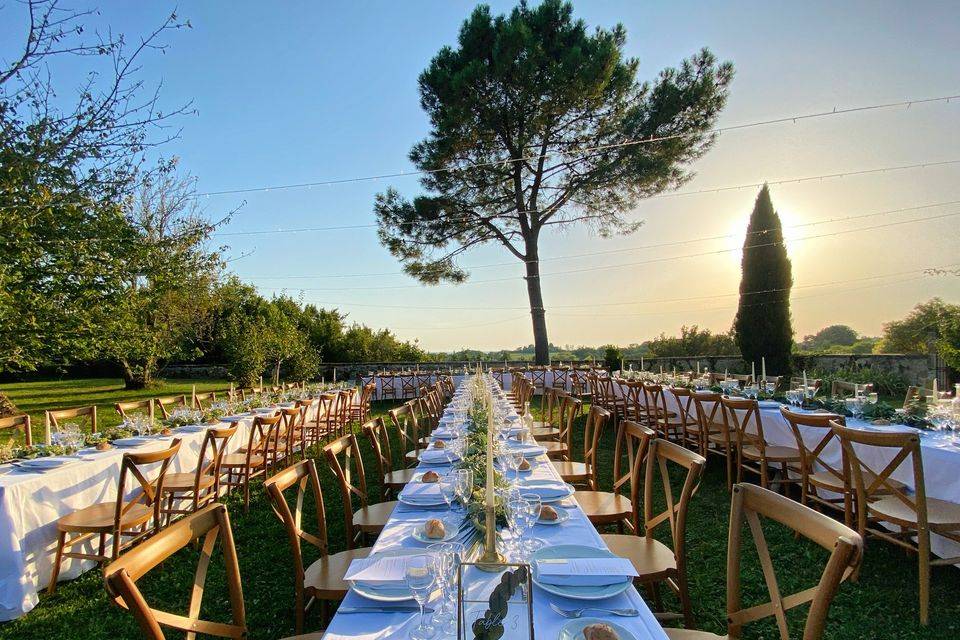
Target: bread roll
430,476
439,444
434,529
548,513
524,465
599,631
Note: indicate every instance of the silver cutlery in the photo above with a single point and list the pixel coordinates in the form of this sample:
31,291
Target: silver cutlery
385,609
576,613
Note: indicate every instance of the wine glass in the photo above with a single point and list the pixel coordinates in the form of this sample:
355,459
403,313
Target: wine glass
530,514
448,488
464,485
514,512
420,576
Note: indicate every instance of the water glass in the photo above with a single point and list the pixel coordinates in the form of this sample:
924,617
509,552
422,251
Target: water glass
464,485
448,488
420,576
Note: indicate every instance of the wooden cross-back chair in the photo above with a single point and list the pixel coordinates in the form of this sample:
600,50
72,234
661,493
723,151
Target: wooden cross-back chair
209,525
883,499
54,417
360,410
18,423
369,519
816,383
636,402
654,561
312,410
408,385
568,408
844,545
201,486
251,461
547,428
666,422
126,409
715,438
168,404
497,376
613,507
580,384
126,519
814,433
323,579
560,378
754,453
388,386
689,425
404,420
292,440
585,473
393,480
202,401
538,376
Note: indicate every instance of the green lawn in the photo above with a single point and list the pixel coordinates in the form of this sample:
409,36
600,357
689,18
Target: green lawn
883,604
35,397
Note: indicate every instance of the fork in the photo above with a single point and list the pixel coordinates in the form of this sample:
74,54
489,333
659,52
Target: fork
576,613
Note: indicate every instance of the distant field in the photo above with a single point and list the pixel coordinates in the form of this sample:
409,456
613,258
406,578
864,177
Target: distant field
34,397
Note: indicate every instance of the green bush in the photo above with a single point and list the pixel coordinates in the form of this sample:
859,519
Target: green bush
886,383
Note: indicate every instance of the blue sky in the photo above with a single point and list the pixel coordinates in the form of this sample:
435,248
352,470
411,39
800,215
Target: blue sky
304,91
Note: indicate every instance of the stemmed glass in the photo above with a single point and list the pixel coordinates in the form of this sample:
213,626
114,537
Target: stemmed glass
420,576
531,513
514,511
447,558
464,485
448,488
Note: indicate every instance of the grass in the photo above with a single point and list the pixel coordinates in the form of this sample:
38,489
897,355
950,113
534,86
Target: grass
34,397
882,604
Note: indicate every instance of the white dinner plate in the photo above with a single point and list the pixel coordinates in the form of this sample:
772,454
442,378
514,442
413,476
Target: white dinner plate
135,441
421,503
562,516
450,532
49,462
768,404
566,551
395,592
236,418
191,428
573,630
570,491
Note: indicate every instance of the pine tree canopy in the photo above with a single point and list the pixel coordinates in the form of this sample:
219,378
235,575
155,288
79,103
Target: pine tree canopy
763,327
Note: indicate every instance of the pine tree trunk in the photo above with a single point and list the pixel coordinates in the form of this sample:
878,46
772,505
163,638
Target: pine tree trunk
537,312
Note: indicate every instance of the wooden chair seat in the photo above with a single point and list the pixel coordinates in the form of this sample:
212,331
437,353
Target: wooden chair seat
100,517
545,433
325,576
941,514
399,477
184,481
717,437
773,453
240,460
603,507
555,449
692,634
652,559
571,471
373,518
411,457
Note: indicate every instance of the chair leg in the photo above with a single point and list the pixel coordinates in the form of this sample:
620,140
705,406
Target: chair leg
61,542
923,540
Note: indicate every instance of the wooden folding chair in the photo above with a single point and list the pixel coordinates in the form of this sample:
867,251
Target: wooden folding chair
369,519
126,517
126,409
210,523
845,546
18,423
53,417
883,499
323,579
654,561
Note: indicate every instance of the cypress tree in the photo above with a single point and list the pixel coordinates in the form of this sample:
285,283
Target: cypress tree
762,325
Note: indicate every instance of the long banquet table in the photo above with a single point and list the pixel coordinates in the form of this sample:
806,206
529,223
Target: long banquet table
32,502
547,623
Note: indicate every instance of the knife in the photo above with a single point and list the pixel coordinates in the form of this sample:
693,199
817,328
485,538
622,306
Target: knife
386,609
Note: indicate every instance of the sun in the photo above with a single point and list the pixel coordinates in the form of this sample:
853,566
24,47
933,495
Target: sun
791,220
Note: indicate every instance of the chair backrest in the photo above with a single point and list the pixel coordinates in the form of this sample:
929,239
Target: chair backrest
560,378
145,491
902,447
662,454
685,407
740,425
169,403
53,418
592,430
203,401
633,439
819,433
845,547
656,407
351,467
367,394
570,408
140,406
264,438
19,423
710,414
209,523
408,429
838,387
388,385
215,444
304,476
376,432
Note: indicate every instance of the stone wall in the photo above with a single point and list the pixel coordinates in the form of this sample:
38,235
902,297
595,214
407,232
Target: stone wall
194,371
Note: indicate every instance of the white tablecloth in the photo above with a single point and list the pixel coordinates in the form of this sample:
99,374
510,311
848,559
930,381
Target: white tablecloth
547,623
31,504
430,378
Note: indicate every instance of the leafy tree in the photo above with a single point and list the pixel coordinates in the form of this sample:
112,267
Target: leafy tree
837,334
167,303
612,357
693,341
537,123
762,325
931,326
